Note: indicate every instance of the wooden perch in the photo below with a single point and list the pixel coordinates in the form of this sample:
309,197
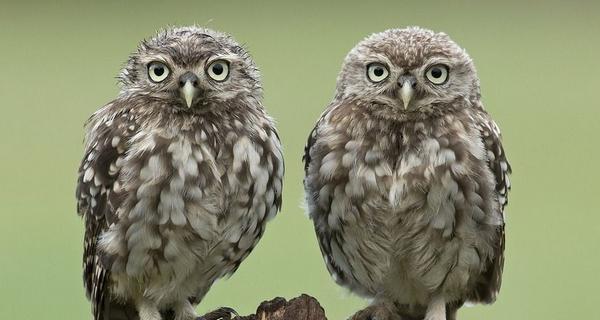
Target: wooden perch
303,307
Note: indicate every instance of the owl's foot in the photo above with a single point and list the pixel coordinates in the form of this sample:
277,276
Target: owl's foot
184,311
148,310
223,313
436,310
375,312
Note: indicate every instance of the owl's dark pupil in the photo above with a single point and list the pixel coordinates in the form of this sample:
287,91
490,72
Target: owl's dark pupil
159,71
217,69
378,72
436,72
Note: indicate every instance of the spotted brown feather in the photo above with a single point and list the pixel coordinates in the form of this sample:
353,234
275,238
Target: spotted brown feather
97,200
491,280
178,181
406,179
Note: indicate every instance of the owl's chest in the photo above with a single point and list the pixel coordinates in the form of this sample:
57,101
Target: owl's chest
411,164
172,189
184,193
173,171
431,163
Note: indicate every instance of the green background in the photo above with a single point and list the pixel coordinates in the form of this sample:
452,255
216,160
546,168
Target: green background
540,80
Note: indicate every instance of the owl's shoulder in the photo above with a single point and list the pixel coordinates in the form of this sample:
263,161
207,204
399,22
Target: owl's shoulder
348,127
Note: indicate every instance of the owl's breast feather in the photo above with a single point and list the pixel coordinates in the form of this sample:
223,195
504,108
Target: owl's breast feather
192,203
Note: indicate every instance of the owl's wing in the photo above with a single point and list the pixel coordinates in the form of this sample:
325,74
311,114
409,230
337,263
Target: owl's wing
309,143
326,236
266,203
312,138
489,284
97,201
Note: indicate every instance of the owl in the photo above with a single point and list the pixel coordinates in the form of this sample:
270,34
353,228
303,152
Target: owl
406,179
180,174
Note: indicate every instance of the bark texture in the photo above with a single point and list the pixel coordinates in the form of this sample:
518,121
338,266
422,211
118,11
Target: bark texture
303,307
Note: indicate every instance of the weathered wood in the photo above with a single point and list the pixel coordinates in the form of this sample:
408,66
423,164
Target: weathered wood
303,307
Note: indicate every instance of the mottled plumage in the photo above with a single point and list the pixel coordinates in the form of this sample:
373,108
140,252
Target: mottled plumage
406,179
181,172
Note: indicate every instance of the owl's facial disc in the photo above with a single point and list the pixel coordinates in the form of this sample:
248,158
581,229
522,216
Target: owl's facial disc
407,84
188,88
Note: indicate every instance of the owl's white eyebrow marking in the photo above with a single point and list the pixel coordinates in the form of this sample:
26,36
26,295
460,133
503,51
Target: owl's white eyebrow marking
373,58
231,58
437,60
144,60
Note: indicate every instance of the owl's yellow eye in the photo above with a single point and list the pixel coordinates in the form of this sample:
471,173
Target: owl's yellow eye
218,70
377,72
437,74
158,71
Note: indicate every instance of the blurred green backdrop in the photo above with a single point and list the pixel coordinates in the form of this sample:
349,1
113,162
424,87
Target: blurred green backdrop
540,79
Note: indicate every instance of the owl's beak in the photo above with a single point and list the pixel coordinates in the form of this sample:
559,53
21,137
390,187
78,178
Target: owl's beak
188,86
189,92
407,89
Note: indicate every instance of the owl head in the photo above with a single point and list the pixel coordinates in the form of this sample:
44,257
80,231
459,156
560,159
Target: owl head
406,73
190,68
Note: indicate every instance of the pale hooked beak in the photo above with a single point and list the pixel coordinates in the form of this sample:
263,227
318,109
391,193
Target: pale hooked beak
407,89
189,92
188,86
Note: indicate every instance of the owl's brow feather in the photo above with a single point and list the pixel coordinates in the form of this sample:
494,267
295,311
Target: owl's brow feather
179,56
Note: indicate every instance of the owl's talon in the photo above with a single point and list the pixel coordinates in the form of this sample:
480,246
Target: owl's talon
376,312
366,314
223,313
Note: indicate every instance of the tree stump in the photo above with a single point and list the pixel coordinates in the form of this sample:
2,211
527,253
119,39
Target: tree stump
303,307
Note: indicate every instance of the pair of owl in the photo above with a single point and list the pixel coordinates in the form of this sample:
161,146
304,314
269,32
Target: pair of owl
405,178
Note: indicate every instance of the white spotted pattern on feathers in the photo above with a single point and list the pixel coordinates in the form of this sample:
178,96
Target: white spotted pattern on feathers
183,206
408,204
176,196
